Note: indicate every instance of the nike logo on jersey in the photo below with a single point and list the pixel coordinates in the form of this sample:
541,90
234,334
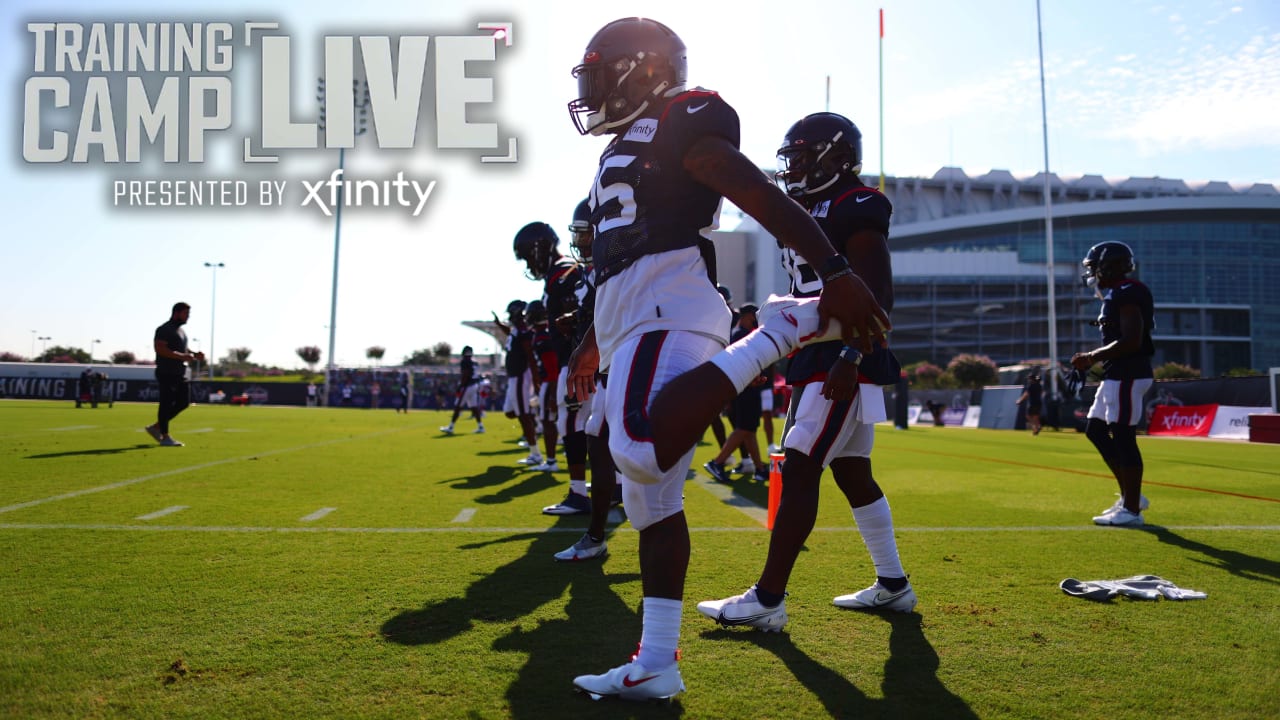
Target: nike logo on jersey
695,108
862,198
628,682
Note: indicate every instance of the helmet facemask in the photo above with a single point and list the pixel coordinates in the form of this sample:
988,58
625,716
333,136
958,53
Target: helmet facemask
807,168
612,94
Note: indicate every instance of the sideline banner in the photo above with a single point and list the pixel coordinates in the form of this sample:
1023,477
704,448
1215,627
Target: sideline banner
1232,421
1182,420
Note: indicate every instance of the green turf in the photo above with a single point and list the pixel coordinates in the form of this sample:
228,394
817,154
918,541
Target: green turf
389,607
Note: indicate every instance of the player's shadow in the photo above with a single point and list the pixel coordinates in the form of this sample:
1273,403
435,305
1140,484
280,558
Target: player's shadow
1239,564
504,595
96,451
911,687
513,450
496,475
529,484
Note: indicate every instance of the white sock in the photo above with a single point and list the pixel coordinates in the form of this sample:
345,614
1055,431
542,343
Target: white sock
578,486
661,634
744,360
875,523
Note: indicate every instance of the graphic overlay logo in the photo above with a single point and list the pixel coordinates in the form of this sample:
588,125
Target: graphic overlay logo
166,97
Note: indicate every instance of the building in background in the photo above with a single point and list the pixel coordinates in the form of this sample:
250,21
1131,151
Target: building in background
969,265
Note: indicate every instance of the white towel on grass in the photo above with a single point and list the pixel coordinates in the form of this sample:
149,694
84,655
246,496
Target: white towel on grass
1142,587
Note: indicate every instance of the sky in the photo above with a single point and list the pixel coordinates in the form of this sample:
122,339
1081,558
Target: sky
1173,89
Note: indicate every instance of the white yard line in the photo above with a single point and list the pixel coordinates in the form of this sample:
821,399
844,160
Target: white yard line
161,513
578,530
464,515
316,515
192,468
73,427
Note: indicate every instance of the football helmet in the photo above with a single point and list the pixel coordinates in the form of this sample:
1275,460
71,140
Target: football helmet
628,64
535,245
467,351
1106,263
816,151
515,311
535,312
581,232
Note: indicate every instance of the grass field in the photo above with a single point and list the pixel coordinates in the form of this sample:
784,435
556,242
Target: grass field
246,600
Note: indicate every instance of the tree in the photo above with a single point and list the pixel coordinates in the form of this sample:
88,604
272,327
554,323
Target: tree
123,357
1176,371
237,356
973,371
7,356
924,374
443,351
310,355
375,353
419,357
60,354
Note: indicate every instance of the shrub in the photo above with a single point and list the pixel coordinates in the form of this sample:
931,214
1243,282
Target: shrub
973,371
1176,371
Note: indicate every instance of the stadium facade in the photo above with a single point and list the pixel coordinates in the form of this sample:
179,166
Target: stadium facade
970,275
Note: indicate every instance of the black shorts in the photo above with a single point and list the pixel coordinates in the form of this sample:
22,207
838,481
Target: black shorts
1033,409
744,411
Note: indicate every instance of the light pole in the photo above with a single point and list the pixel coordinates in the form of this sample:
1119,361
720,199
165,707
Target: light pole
92,346
44,343
213,304
343,125
33,344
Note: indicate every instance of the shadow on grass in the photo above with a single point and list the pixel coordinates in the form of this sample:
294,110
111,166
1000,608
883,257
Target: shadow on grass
1239,564
911,686
494,476
596,631
530,484
97,451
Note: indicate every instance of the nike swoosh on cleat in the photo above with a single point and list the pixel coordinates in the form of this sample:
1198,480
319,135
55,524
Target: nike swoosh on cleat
628,682
742,620
693,109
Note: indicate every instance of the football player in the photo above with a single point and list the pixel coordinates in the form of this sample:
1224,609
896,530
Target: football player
837,398
1126,321
522,382
468,394
673,158
546,353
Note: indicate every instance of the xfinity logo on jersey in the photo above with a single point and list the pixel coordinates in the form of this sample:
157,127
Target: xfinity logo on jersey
642,130
126,93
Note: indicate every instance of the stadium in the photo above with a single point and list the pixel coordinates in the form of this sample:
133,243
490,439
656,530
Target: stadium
969,265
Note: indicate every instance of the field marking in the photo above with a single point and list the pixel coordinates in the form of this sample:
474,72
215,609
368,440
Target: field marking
464,515
1086,473
316,515
197,430
192,468
161,513
73,427
727,496
578,530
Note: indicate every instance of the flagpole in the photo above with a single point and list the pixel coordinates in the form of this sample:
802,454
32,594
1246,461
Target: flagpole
1048,221
882,99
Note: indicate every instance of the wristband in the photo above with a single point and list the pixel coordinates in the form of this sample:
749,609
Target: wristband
850,355
834,267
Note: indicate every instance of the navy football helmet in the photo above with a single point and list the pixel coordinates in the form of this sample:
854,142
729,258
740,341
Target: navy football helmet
628,64
535,312
515,311
1107,262
816,152
535,245
581,232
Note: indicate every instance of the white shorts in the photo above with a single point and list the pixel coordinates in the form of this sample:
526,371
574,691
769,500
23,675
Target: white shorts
641,366
825,430
469,397
594,411
1120,401
766,399
518,389
665,291
566,421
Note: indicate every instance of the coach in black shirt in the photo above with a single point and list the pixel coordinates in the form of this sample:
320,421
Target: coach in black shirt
171,373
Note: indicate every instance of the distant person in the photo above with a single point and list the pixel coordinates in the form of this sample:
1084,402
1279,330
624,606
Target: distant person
405,394
347,392
375,393
171,373
470,388
1033,395
311,394
1125,322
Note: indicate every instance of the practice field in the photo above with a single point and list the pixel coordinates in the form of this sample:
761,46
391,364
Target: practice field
293,562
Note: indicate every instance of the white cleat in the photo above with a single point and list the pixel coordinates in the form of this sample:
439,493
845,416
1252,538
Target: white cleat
877,597
633,681
1120,517
584,549
745,609
1143,504
447,429
533,460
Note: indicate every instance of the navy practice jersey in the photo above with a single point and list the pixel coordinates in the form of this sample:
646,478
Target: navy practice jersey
176,338
1137,365
468,369
565,285
841,211
517,360
644,201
